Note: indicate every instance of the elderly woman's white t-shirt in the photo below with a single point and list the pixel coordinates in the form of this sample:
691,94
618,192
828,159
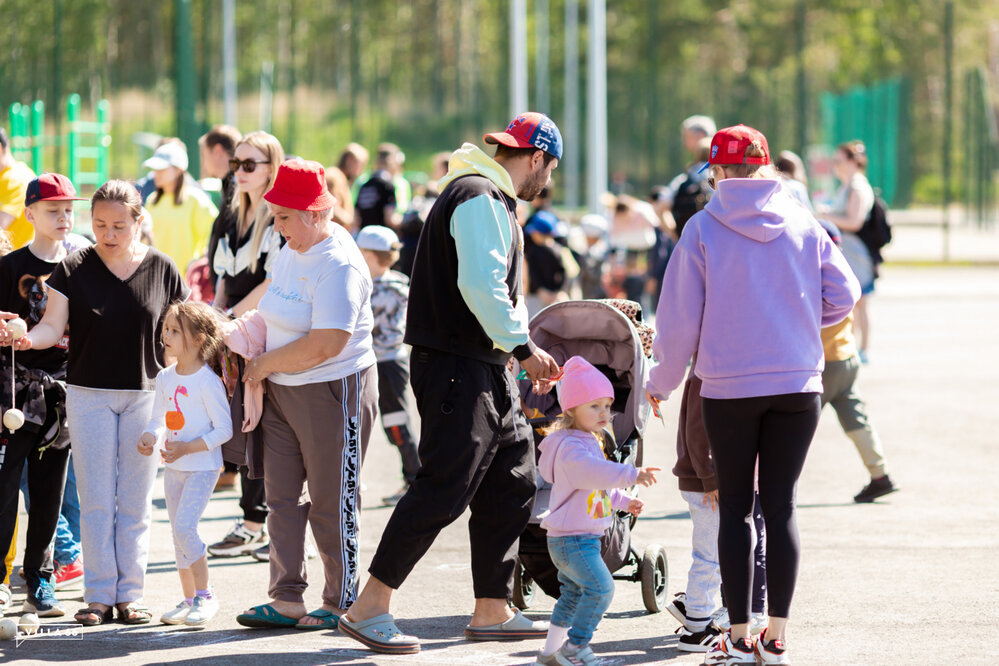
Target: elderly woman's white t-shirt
328,286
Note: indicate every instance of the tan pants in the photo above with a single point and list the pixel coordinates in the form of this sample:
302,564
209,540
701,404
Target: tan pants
315,437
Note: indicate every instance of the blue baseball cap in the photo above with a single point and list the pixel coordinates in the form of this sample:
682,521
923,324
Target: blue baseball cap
530,130
543,222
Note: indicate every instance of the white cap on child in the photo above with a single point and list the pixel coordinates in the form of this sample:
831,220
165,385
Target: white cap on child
377,237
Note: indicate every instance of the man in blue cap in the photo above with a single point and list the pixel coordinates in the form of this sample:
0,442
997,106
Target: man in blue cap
466,320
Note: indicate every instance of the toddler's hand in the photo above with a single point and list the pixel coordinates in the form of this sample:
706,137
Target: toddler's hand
172,451
635,507
146,444
647,475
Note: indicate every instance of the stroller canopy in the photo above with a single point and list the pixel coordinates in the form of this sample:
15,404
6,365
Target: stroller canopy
605,337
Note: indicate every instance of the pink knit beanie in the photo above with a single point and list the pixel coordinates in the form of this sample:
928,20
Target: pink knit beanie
582,383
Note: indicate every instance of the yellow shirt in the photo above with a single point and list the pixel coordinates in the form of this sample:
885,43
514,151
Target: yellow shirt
838,343
13,184
181,232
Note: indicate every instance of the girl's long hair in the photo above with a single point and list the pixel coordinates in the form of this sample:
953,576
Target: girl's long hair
201,325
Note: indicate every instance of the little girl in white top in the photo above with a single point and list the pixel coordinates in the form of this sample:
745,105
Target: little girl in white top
191,418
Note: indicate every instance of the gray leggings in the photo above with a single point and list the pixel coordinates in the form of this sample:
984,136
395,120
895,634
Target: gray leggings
116,489
187,495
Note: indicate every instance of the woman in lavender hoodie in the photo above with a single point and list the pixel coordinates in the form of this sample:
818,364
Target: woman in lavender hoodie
751,282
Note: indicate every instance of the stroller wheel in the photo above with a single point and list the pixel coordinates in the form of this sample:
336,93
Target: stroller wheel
655,576
523,587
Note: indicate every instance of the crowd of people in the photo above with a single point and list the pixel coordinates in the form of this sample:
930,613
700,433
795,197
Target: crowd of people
254,324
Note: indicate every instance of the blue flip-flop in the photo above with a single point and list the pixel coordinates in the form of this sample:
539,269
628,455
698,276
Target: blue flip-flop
265,616
329,619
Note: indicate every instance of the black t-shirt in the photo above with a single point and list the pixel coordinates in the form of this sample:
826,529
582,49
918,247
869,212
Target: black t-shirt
377,193
544,267
22,290
116,323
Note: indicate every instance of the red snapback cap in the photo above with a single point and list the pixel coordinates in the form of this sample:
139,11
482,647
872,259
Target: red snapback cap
50,187
728,146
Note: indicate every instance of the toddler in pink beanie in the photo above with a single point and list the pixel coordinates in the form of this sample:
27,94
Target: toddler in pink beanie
586,490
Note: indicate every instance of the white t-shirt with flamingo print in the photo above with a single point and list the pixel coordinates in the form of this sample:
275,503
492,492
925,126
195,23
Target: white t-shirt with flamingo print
188,407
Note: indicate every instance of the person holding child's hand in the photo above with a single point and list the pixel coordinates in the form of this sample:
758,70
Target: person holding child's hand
147,444
586,491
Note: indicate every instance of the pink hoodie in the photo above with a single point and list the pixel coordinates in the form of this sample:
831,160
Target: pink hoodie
583,482
246,336
752,280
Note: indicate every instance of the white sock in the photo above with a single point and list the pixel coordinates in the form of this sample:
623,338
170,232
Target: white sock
556,637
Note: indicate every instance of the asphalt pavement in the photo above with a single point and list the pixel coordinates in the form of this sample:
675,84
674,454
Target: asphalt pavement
910,579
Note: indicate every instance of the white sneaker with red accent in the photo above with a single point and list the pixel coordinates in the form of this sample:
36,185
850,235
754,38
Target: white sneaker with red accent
771,652
727,652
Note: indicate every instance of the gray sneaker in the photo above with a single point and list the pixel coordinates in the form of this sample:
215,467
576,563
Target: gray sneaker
578,656
240,541
553,659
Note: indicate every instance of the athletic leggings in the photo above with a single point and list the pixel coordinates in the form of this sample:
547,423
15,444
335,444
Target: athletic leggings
778,429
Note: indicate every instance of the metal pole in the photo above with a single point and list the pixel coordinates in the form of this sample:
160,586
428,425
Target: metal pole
266,108
570,161
289,145
948,120
596,93
57,82
802,89
518,57
542,92
229,62
186,88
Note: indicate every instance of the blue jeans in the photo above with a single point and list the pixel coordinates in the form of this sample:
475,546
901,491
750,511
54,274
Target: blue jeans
67,536
587,585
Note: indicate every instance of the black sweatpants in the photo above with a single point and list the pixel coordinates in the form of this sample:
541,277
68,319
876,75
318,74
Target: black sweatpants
476,452
778,429
393,404
46,482
252,498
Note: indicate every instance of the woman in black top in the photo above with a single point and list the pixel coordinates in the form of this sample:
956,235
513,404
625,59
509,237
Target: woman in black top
241,258
113,296
249,241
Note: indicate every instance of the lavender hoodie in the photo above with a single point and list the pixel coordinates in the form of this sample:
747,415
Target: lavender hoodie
583,482
750,284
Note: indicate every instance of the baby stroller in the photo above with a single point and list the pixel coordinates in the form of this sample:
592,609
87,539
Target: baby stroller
601,332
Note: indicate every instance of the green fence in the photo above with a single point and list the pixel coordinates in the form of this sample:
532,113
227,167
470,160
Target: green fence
880,116
981,149
87,143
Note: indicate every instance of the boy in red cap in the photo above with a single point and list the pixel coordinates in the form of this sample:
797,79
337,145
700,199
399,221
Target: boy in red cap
39,377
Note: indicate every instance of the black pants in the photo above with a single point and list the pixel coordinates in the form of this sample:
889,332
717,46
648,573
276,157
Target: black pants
46,482
778,429
759,604
252,499
477,452
393,405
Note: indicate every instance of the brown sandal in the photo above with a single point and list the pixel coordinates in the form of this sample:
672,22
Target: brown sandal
132,613
91,617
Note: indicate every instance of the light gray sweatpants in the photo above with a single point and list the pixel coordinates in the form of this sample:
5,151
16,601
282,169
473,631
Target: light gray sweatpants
116,489
187,495
704,577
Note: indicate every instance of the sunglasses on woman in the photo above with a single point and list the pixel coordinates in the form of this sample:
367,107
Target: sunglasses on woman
249,166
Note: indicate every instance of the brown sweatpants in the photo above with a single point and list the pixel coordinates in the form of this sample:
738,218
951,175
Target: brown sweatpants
315,437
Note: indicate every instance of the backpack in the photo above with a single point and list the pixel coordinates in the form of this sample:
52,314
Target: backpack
876,232
691,197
